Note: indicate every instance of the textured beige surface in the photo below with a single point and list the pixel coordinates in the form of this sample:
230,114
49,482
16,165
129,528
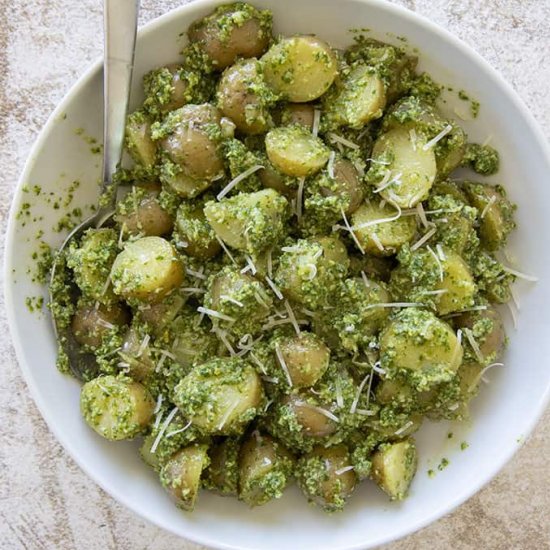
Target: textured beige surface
46,502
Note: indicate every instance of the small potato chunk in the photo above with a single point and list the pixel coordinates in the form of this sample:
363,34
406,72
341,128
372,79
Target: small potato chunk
360,98
458,284
190,138
195,233
265,469
222,474
326,477
496,213
90,324
300,68
422,119
232,31
137,355
251,222
221,396
345,183
306,357
138,140
242,300
295,151
310,271
181,475
116,408
244,98
406,163
360,317
298,113
382,239
488,332
141,214
158,316
92,261
147,269
274,179
170,87
309,417
421,345
394,466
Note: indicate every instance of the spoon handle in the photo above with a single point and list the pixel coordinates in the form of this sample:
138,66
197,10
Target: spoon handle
120,26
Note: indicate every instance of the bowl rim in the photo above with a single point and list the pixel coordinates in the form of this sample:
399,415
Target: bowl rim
41,403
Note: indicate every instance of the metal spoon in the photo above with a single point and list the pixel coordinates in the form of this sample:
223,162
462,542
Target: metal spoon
119,26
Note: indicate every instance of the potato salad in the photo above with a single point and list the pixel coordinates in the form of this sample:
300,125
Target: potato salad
295,277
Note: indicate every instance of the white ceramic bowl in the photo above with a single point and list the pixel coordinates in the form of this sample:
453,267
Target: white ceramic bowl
502,416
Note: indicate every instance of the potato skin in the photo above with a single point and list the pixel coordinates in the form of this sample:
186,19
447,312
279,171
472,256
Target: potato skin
265,468
320,476
244,98
91,323
181,475
306,357
232,31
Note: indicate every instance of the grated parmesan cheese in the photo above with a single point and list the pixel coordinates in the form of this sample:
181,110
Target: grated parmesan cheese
282,362
472,341
425,238
437,138
165,424
225,249
316,122
404,428
292,318
335,138
422,215
237,180
170,434
437,261
273,286
350,229
300,198
216,314
490,203
343,470
330,165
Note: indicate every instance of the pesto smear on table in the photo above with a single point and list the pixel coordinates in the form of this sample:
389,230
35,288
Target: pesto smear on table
294,279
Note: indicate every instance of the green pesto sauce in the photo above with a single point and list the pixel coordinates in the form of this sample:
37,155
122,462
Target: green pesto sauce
195,360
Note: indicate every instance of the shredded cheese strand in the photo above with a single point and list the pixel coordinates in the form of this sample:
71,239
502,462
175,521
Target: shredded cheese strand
216,314
343,141
283,364
425,238
437,261
350,229
237,180
165,424
274,287
437,138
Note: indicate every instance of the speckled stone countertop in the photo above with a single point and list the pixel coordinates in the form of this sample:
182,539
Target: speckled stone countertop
46,501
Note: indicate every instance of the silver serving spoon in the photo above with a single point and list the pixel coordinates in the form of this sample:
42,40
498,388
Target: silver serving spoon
119,26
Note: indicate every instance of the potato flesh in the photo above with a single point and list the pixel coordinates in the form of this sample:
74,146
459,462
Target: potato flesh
140,145
361,99
382,239
438,345
415,166
393,468
295,151
147,269
458,284
300,68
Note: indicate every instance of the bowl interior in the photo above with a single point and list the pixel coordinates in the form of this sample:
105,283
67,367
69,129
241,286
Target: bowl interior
501,417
